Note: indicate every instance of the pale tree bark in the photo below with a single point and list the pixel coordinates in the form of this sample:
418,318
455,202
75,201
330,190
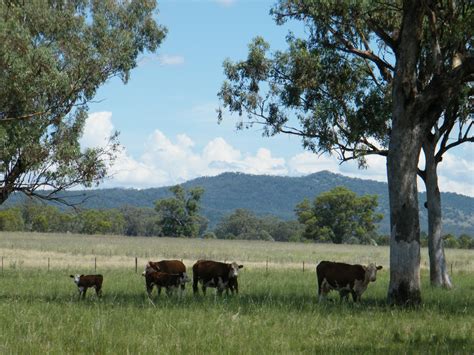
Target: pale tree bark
402,164
439,276
402,160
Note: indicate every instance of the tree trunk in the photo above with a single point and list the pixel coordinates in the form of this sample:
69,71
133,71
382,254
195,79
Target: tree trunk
406,138
402,160
439,276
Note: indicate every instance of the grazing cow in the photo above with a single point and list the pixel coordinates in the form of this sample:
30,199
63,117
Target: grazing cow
83,282
163,279
216,274
169,267
344,278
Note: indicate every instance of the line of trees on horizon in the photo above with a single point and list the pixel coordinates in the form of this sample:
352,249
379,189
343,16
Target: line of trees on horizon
337,216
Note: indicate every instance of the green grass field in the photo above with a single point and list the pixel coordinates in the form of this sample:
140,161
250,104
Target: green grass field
276,311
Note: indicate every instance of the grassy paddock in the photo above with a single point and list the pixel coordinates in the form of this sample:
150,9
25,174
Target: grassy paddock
276,311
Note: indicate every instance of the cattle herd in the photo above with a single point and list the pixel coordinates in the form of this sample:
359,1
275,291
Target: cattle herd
171,275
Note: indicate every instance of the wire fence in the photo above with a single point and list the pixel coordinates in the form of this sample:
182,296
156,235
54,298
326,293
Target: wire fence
48,264
102,261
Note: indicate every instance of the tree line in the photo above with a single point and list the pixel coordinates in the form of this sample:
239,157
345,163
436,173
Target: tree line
337,216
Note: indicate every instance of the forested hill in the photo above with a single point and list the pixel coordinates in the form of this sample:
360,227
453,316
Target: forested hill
278,195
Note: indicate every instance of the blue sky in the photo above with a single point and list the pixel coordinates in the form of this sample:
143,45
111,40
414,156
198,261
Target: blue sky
166,113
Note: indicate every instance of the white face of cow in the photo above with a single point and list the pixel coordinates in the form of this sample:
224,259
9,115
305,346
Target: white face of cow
150,267
371,272
234,270
77,277
183,278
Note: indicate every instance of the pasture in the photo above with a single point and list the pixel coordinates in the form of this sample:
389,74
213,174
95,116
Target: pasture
276,311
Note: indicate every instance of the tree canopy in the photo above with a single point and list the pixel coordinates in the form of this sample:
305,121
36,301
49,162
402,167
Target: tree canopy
53,57
340,216
179,215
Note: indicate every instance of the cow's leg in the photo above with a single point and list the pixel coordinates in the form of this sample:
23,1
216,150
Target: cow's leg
83,291
195,285
158,288
149,288
344,295
355,296
203,289
98,291
169,291
324,289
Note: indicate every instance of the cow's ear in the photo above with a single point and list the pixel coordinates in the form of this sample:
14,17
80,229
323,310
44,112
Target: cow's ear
81,275
241,266
71,276
379,267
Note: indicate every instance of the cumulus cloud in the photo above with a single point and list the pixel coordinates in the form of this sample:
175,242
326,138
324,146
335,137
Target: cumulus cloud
171,160
167,59
97,130
456,174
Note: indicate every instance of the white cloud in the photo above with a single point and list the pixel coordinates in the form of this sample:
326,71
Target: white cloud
166,161
456,174
97,130
218,150
167,59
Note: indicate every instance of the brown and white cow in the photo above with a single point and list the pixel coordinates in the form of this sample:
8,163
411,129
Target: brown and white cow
83,282
169,267
163,279
210,273
344,278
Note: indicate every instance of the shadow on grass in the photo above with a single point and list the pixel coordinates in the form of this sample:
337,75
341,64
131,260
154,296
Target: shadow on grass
247,302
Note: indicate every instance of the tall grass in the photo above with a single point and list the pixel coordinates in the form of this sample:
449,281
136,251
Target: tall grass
276,311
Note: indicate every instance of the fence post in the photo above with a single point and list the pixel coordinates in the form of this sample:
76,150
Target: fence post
136,265
2,264
266,265
303,265
48,264
95,264
451,268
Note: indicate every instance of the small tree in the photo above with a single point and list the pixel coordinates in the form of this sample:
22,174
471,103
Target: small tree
179,215
11,220
339,216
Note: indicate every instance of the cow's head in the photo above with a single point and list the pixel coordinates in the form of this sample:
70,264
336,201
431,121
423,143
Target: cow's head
183,278
151,266
76,278
234,270
371,272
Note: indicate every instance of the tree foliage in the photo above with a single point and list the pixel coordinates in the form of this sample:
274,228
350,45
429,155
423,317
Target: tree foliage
53,57
339,216
244,224
179,215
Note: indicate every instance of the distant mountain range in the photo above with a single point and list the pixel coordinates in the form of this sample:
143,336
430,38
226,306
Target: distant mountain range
278,196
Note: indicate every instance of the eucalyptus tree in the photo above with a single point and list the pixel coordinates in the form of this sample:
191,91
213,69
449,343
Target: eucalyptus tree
178,216
54,55
370,78
452,130
339,216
